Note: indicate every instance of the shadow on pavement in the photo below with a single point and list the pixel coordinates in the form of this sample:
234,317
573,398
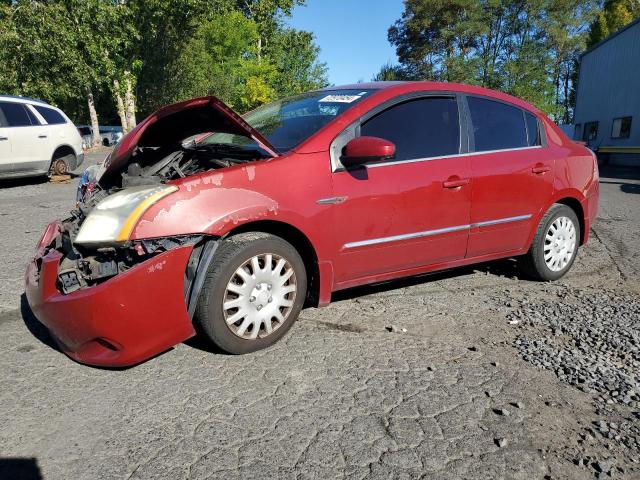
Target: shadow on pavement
22,182
630,188
35,327
503,268
624,187
20,468
619,172
200,343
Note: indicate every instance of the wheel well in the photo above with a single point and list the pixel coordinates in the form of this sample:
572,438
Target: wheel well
63,151
575,205
300,242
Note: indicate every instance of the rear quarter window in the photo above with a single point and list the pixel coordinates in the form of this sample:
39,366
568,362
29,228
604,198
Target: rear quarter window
533,130
496,125
50,115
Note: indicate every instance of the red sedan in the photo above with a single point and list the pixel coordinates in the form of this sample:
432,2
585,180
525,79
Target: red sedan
204,221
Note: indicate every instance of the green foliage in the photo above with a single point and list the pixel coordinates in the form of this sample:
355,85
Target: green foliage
219,60
223,59
294,56
167,49
389,73
615,15
528,49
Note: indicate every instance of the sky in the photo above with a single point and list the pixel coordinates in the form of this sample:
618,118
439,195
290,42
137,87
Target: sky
351,34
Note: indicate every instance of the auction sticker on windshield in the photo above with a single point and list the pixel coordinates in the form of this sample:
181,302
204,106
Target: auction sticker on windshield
339,98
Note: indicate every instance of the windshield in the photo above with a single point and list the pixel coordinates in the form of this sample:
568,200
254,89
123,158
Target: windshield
286,123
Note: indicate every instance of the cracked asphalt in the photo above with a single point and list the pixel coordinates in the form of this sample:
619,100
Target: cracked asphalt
339,397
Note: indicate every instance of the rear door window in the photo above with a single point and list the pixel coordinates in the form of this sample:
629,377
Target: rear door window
50,115
496,125
15,114
421,128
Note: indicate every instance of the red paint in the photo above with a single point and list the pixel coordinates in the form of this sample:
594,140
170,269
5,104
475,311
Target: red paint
380,202
123,312
372,148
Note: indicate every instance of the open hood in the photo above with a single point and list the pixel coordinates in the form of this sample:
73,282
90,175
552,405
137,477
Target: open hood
174,123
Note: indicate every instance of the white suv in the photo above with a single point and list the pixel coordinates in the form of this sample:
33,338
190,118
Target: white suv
36,139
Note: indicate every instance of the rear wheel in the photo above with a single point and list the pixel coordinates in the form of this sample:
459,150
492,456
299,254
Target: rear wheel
253,292
554,246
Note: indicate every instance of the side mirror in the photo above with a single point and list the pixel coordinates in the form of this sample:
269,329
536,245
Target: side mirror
363,150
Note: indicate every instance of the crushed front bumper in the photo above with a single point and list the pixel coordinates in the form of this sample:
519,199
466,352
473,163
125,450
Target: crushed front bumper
121,322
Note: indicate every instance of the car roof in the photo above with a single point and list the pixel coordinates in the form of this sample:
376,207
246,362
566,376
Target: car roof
367,85
24,99
403,87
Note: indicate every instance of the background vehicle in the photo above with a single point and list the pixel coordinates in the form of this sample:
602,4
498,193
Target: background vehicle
36,139
231,234
109,135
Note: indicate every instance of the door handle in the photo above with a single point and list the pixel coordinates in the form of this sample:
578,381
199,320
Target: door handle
42,136
540,169
455,182
4,138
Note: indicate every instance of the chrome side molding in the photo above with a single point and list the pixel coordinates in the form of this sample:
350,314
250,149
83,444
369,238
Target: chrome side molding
429,233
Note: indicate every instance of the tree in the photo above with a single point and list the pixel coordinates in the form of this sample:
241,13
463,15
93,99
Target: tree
614,15
129,57
294,57
389,72
526,48
220,59
62,51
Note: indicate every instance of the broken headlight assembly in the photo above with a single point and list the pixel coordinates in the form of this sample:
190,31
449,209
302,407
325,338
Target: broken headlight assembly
113,219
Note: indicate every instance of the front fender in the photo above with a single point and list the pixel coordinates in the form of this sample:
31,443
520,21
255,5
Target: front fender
212,211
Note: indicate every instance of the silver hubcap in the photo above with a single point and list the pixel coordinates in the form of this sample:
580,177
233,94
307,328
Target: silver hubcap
560,244
259,296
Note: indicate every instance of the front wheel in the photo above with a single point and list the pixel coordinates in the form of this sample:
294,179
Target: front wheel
555,245
253,292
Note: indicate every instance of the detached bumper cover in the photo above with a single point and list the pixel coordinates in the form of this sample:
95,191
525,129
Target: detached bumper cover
121,322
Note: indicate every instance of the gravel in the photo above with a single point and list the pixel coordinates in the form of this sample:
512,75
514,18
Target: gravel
590,338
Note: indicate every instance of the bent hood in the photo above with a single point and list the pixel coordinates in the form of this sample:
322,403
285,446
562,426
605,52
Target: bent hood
174,123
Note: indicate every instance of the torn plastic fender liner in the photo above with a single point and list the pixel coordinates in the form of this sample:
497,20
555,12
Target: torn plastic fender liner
196,271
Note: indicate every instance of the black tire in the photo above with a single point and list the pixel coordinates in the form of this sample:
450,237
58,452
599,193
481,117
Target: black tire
61,164
533,263
232,253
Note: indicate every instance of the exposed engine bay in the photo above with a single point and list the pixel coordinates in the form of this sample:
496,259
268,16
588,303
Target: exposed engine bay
155,165
175,142
85,266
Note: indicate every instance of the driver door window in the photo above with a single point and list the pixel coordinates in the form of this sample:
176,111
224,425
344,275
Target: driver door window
421,128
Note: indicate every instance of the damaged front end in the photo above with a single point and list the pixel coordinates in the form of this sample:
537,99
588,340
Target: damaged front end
175,142
82,267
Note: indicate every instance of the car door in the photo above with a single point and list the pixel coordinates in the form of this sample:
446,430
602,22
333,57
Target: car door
22,133
411,211
52,133
512,176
